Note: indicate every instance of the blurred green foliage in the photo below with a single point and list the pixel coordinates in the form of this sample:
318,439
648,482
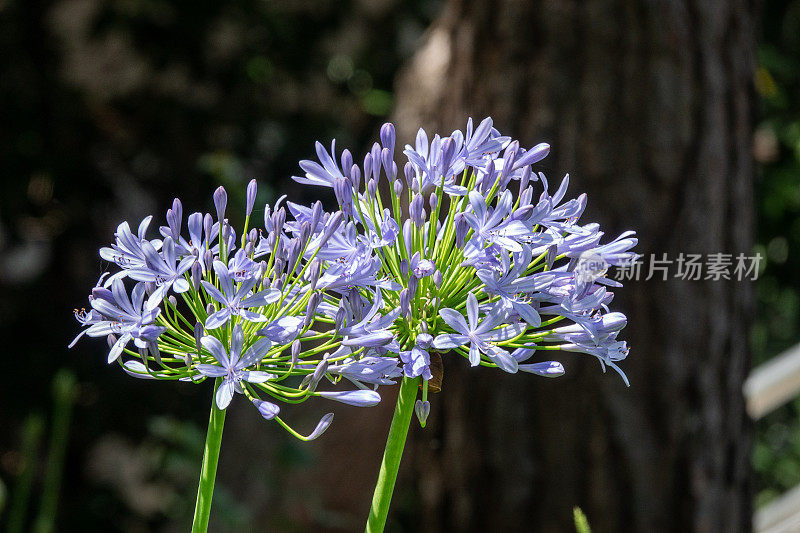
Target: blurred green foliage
776,456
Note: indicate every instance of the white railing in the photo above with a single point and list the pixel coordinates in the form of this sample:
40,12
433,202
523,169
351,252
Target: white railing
768,387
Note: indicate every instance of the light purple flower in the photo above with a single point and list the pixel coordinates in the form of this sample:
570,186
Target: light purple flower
369,369
489,224
323,174
236,301
417,361
267,409
421,268
241,267
127,251
127,318
232,366
282,330
166,270
481,335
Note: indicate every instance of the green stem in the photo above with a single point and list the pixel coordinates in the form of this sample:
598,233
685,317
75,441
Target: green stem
208,473
398,432
31,438
64,391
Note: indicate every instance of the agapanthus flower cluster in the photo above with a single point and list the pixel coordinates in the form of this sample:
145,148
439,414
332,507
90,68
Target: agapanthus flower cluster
472,252
245,310
466,251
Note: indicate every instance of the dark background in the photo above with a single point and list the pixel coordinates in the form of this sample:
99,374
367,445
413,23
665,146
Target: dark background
108,110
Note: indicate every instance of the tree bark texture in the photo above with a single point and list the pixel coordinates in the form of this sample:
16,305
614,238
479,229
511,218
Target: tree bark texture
649,106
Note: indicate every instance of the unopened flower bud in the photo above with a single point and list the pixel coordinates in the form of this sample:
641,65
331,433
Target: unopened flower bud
208,225
534,155
330,226
210,309
173,301
404,267
220,202
341,314
312,273
389,166
312,380
422,410
252,190
198,335
293,255
208,260
347,159
266,409
367,166
305,233
177,208
413,282
509,156
316,214
437,279
174,219
416,210
461,229
524,179
295,351
398,187
248,249
448,154
252,235
388,138
197,275
226,231
279,219
323,424
408,173
408,234
311,308
376,161
355,177
277,268
433,201
405,303
372,188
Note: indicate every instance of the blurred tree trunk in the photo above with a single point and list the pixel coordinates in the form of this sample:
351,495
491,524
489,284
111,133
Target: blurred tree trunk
649,106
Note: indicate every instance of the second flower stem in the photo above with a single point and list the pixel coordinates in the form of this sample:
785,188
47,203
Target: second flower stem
403,411
208,472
